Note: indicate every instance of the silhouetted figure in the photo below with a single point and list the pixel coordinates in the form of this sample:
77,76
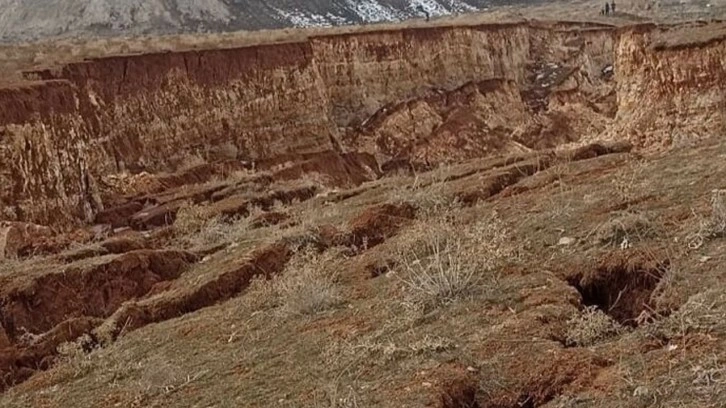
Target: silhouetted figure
602,11
612,6
607,9
425,12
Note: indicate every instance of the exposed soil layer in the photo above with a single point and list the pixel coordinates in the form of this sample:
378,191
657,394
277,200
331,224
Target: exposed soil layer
517,87
265,262
97,290
20,362
375,224
61,305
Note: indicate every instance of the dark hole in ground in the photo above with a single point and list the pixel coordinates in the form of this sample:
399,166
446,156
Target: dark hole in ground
459,394
621,285
522,401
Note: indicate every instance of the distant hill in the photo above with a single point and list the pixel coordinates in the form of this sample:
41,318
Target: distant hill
35,19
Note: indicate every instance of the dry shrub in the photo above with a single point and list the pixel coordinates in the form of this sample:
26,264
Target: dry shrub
429,195
713,226
590,327
197,227
75,356
718,212
704,313
306,286
626,181
624,229
442,261
191,218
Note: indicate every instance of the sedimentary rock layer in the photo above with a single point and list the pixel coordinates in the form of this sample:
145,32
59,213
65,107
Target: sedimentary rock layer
159,112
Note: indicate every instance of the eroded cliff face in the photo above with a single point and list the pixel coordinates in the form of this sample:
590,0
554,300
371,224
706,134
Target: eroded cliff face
420,95
668,93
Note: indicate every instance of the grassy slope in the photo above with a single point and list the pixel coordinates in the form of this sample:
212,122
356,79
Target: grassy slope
378,342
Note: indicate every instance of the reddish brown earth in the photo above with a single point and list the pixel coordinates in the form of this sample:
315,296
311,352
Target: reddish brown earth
504,88
162,212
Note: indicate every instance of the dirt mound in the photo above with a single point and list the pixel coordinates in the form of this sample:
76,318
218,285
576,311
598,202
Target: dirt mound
268,219
20,362
375,224
40,313
97,289
262,262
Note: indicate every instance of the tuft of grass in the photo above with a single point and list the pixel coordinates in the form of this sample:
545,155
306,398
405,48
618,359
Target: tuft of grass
306,287
443,261
624,229
191,218
713,226
445,274
429,195
718,212
591,326
77,362
196,226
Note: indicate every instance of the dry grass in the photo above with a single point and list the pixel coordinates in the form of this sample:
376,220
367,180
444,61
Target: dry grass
306,287
591,326
442,261
702,313
718,212
427,193
623,230
710,227
77,361
445,274
197,227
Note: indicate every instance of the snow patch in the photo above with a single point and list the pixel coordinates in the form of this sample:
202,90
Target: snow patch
337,20
300,19
432,7
371,11
441,7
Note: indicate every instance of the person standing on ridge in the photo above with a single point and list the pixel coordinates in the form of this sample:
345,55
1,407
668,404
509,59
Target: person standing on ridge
424,11
607,8
612,6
